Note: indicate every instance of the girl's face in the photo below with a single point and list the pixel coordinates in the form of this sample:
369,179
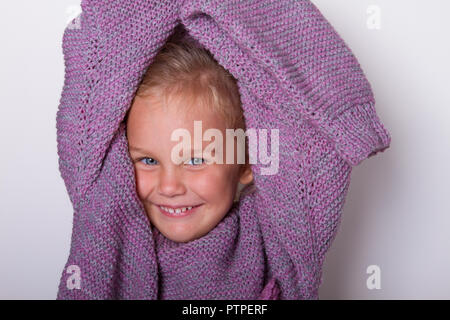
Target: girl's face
208,187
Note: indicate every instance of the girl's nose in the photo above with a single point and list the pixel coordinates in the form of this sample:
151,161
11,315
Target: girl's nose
170,184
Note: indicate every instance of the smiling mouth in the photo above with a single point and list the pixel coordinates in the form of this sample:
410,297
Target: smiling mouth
179,212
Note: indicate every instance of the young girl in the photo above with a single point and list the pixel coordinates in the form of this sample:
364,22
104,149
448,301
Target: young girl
185,84
270,66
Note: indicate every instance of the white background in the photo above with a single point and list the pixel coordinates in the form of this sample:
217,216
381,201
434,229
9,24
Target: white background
396,214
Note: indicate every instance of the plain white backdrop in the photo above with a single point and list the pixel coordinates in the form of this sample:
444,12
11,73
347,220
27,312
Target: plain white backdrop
397,212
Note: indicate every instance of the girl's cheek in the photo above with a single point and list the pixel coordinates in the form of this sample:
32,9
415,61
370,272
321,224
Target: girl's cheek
212,181
144,183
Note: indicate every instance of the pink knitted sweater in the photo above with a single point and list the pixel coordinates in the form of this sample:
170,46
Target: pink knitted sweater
294,73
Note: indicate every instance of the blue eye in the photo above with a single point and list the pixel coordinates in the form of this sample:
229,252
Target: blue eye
147,163
202,160
150,161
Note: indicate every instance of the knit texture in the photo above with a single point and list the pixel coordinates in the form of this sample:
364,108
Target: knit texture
295,74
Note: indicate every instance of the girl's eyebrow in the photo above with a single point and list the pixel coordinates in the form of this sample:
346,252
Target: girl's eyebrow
132,148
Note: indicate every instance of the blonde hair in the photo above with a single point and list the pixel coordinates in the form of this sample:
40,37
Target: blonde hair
184,68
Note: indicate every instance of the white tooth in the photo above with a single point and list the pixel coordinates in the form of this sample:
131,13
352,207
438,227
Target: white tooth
179,210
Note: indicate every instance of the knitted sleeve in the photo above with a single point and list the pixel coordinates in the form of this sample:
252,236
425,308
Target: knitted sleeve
292,60
70,115
291,51
78,148
325,180
110,47
325,78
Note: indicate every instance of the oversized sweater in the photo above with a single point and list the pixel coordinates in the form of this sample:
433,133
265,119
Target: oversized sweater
294,73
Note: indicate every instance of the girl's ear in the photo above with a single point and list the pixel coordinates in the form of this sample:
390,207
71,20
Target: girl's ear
246,174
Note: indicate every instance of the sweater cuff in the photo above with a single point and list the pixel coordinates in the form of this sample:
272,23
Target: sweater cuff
358,133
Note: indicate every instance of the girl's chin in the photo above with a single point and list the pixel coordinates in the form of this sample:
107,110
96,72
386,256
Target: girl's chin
175,231
181,238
